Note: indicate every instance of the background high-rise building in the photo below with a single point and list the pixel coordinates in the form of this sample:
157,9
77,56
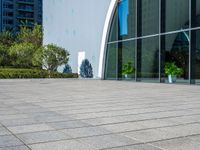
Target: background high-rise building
14,13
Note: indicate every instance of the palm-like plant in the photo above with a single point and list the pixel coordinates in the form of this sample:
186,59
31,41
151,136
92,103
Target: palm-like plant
128,69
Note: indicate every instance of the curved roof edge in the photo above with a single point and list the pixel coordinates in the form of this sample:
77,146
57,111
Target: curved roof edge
108,20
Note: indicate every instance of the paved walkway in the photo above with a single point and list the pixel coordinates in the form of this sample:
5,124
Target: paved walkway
93,114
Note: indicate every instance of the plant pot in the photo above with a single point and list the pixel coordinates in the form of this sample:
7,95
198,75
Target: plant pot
171,79
127,76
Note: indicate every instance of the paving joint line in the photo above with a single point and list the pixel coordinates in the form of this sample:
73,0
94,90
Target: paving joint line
16,137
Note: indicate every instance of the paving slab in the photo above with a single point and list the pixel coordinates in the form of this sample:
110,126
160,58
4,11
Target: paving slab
30,128
68,124
178,144
62,145
4,131
137,147
9,140
61,114
16,148
108,141
41,137
86,132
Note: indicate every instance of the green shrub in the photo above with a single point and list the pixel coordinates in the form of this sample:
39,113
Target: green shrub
12,73
22,54
173,69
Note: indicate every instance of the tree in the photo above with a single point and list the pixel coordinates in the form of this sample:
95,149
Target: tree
22,54
86,69
67,69
51,56
27,35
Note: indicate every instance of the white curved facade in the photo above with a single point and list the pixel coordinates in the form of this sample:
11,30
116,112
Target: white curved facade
79,26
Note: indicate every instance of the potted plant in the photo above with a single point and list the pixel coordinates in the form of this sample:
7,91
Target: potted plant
128,69
172,71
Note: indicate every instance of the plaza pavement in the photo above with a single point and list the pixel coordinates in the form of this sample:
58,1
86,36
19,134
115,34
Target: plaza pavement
92,114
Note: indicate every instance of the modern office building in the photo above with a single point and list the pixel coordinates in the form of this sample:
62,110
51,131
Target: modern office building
14,13
144,33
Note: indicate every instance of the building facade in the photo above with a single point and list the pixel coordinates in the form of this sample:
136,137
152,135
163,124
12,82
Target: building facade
150,33
76,25
144,33
14,13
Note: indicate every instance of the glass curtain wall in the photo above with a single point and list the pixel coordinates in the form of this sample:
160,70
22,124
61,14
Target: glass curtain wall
147,34
122,54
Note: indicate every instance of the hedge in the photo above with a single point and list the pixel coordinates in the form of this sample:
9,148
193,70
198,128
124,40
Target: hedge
12,73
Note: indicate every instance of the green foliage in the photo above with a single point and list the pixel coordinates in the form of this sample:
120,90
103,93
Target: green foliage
4,55
172,69
6,73
6,38
52,56
26,50
67,69
128,69
27,35
19,50
22,54
86,70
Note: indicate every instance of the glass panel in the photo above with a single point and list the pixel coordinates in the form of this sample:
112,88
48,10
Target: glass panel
196,55
113,35
150,17
120,62
123,24
149,59
176,15
111,62
198,13
127,17
176,48
128,60
195,13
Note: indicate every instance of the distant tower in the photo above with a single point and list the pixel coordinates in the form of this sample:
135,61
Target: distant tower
14,13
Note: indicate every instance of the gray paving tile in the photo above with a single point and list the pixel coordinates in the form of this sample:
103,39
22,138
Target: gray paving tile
4,131
68,124
9,140
195,138
18,116
137,147
151,135
85,132
148,135
30,128
62,145
31,138
18,122
108,141
178,144
15,148
124,127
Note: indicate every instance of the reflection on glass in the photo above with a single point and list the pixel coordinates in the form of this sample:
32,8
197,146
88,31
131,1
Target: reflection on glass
198,13
111,62
150,17
123,23
176,49
113,34
128,60
123,12
195,13
150,58
175,15
119,56
196,55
